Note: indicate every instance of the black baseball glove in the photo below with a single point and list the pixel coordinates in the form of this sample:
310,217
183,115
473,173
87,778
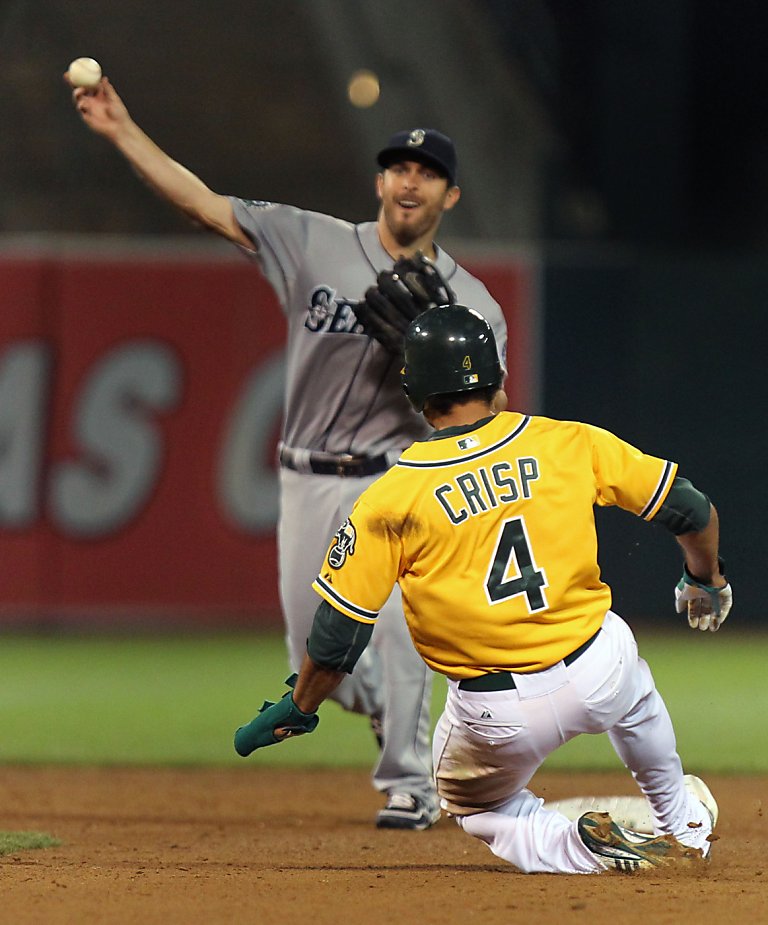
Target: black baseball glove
413,285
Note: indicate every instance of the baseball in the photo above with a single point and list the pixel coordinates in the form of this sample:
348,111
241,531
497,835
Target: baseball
84,72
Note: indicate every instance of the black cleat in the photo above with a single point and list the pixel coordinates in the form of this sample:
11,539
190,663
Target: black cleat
406,811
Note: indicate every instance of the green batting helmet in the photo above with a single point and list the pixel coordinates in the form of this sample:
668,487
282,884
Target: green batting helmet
449,349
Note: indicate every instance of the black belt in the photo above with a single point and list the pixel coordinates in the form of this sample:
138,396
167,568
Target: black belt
344,467
503,680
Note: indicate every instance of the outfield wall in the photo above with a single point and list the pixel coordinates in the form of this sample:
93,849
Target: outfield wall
668,352
140,405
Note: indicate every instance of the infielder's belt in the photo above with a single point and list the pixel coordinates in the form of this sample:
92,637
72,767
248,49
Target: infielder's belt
342,466
503,680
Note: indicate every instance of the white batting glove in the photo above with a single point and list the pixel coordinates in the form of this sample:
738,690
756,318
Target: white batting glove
707,606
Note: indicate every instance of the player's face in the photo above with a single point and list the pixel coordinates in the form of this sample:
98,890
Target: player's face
413,198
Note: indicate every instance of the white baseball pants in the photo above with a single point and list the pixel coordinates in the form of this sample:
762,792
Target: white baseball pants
487,747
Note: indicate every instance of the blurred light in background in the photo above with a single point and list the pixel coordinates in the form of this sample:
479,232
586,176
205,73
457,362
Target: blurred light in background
363,89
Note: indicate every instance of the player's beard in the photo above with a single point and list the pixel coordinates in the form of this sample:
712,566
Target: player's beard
409,230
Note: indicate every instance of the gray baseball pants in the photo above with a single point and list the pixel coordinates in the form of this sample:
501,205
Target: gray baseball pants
390,680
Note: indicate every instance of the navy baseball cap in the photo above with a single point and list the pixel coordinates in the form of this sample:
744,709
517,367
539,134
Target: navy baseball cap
424,145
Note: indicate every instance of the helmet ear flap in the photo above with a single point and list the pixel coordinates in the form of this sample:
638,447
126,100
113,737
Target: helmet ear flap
404,383
406,389
417,403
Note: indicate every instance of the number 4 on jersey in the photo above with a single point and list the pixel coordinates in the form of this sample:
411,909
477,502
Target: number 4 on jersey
513,553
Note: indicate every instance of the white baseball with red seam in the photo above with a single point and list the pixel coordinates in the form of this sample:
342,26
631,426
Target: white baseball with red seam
84,72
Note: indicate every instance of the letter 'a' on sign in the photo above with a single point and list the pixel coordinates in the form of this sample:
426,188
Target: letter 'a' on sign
467,364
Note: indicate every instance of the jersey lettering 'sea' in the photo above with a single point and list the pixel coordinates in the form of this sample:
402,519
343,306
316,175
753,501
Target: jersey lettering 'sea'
343,392
484,488
328,314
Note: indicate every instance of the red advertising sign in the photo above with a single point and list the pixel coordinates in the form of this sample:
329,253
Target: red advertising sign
140,404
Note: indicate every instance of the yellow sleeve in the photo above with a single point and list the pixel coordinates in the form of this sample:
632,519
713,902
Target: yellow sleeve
628,478
362,565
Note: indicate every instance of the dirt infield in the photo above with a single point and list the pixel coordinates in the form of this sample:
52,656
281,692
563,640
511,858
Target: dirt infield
253,845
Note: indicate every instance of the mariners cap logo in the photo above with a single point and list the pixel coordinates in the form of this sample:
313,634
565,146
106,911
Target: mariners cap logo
416,137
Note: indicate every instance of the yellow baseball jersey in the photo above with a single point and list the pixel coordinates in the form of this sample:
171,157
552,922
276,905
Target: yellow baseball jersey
490,533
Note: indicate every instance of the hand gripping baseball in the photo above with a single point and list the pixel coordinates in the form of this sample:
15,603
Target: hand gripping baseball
706,605
275,722
401,294
101,109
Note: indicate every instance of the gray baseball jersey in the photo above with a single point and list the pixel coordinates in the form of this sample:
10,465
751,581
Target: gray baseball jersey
343,392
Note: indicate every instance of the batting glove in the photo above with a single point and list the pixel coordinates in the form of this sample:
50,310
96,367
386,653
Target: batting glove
707,606
284,716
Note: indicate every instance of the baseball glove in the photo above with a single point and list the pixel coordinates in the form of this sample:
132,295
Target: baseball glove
413,285
284,716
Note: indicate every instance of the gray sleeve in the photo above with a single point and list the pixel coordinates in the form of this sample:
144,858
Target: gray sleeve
336,641
491,310
685,509
500,333
472,292
279,233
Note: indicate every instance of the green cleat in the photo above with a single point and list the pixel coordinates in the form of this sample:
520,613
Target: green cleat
620,849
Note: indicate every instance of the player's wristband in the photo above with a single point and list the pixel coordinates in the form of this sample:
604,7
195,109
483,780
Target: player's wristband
690,578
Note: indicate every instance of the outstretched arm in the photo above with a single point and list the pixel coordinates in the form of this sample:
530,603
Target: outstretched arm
102,110
334,646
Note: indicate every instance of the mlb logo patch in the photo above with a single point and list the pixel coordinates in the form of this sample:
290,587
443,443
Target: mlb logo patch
466,443
470,379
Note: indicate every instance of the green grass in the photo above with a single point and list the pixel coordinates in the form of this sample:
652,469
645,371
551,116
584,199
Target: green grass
12,842
177,700
153,700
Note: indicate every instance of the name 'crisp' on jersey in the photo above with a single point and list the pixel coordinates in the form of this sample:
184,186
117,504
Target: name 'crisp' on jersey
478,490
